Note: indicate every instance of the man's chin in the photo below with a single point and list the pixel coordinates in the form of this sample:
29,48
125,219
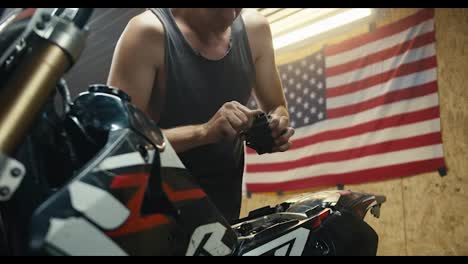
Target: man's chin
232,13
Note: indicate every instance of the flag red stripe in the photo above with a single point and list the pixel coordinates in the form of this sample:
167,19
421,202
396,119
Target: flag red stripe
417,42
249,150
381,33
404,69
374,125
374,149
355,177
391,97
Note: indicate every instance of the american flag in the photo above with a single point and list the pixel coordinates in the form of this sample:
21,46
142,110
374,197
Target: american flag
365,109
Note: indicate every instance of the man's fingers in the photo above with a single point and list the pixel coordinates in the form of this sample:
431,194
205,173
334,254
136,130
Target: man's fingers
227,129
285,137
244,119
282,148
274,122
279,127
283,122
248,112
235,121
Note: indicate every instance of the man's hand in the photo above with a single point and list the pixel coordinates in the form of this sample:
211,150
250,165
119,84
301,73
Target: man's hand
281,132
230,120
268,87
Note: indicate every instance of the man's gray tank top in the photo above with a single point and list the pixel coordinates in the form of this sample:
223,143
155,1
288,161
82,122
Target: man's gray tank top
196,87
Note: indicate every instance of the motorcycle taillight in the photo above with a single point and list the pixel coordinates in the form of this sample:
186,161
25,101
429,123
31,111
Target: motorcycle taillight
317,220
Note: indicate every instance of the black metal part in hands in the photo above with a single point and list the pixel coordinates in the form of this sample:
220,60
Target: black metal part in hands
259,137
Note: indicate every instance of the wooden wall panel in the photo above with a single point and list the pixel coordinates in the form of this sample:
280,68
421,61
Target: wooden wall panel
436,208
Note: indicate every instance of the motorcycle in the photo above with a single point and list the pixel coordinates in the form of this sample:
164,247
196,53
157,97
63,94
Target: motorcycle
97,177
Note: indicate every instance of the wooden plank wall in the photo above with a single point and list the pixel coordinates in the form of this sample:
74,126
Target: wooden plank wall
424,214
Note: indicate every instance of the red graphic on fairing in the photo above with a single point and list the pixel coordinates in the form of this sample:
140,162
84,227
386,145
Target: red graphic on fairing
135,221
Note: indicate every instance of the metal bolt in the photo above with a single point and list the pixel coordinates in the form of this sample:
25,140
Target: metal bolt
144,152
21,45
92,89
45,17
9,60
40,25
15,172
322,246
4,191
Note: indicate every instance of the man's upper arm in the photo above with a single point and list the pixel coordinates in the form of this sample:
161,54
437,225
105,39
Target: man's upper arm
137,56
268,87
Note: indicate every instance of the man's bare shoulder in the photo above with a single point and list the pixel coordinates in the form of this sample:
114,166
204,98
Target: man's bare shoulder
255,21
143,37
146,25
258,32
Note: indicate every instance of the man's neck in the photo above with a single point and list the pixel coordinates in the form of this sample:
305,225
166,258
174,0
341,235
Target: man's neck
206,28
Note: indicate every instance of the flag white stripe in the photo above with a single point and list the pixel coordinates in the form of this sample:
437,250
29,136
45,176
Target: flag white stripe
381,44
362,140
392,63
396,108
368,162
395,84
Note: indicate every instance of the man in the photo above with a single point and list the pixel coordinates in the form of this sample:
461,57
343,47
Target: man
192,70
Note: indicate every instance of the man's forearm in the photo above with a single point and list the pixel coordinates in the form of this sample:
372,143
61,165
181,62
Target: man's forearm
186,137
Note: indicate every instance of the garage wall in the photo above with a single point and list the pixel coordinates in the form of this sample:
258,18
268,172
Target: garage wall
106,25
424,214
